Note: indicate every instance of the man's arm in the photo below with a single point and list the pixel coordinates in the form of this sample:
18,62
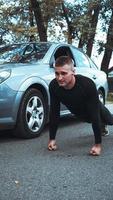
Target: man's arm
53,116
93,111
93,108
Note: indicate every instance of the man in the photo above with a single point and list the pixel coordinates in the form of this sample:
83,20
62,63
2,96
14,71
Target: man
80,96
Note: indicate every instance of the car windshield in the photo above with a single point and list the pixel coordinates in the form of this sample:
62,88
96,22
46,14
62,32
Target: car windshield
23,53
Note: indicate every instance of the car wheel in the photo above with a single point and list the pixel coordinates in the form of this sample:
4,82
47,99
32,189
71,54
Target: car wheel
101,96
32,115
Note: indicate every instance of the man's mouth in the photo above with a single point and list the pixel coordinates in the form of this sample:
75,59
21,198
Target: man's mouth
61,82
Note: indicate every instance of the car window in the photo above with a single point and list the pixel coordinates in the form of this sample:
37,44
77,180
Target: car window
92,64
61,51
29,49
34,52
80,58
7,53
23,52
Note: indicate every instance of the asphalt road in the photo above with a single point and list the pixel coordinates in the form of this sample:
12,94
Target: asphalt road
28,171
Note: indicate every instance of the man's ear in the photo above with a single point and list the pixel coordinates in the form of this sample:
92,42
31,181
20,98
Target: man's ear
73,70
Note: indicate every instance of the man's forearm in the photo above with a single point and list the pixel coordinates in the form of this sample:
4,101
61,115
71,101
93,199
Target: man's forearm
53,125
97,132
52,132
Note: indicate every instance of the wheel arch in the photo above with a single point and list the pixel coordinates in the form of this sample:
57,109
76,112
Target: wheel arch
38,83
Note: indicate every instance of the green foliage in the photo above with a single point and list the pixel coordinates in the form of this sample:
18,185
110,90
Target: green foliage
17,19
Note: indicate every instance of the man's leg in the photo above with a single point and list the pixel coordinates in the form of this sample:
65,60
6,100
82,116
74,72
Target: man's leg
106,116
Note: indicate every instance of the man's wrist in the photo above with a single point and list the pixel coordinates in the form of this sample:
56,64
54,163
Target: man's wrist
52,139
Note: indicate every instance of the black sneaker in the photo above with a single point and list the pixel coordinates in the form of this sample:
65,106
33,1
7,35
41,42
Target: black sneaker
105,131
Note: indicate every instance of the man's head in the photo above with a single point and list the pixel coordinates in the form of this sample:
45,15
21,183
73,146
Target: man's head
64,72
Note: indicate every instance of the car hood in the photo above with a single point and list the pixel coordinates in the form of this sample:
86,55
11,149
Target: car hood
15,65
26,69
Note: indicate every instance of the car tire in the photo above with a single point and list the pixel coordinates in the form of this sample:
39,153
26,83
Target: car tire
101,96
32,115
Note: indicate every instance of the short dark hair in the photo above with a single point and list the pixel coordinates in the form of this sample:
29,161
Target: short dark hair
63,60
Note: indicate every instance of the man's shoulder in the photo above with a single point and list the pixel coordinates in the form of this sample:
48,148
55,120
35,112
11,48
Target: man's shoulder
84,78
85,82
53,83
80,76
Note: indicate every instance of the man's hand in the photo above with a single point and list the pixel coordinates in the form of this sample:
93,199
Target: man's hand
52,145
95,150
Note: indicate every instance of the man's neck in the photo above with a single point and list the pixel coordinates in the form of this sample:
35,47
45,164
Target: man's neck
71,84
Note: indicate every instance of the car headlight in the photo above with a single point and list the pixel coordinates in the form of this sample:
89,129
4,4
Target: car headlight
4,75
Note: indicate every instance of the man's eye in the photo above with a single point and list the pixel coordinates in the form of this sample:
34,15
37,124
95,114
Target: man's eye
63,73
56,73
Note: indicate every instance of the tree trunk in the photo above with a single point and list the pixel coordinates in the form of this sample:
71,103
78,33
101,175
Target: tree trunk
106,60
108,47
94,21
81,42
70,32
39,20
31,15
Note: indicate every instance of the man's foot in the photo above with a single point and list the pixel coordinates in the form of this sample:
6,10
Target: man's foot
95,150
105,131
52,145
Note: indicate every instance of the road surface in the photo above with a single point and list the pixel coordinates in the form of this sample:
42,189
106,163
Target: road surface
28,171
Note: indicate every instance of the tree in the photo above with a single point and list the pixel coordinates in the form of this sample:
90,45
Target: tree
93,13
77,21
73,16
69,24
108,47
39,20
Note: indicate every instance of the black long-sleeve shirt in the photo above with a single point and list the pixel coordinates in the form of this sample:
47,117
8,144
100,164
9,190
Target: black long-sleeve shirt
82,100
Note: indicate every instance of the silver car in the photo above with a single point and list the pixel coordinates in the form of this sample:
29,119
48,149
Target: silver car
25,73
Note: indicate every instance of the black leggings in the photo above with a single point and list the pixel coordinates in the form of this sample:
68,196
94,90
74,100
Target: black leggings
106,119
106,116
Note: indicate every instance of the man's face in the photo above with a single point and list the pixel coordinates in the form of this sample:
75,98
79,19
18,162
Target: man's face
64,75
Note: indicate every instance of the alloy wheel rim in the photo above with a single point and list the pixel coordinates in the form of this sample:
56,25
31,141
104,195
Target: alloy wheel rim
34,114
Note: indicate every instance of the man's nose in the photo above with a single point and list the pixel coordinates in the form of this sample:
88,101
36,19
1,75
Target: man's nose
60,77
